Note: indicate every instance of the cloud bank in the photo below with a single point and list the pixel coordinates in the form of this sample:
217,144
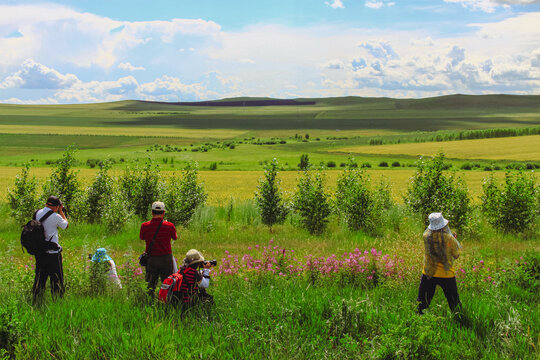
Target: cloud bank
67,56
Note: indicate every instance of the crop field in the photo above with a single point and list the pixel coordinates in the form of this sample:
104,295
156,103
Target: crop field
280,292
523,148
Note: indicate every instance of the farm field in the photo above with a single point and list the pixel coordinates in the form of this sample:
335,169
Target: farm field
306,300
524,148
224,186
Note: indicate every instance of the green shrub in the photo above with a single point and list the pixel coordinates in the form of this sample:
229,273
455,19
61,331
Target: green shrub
141,187
355,201
366,165
513,208
383,164
63,181
116,210
183,194
213,166
396,164
331,164
304,162
98,192
268,198
23,199
432,191
466,166
311,202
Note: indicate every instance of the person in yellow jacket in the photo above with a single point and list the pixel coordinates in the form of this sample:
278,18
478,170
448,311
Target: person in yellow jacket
441,248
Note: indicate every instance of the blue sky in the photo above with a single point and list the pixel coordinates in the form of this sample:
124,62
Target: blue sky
180,50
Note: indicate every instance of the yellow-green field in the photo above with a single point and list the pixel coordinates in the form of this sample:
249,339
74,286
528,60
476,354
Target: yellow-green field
123,131
222,186
523,148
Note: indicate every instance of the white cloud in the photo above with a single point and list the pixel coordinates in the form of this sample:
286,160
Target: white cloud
57,34
378,4
374,4
128,67
335,4
490,5
33,75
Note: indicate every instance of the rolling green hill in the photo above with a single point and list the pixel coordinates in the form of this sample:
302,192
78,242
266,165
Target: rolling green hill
346,113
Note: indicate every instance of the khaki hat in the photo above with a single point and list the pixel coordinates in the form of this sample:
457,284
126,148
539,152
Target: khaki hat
436,221
158,206
193,257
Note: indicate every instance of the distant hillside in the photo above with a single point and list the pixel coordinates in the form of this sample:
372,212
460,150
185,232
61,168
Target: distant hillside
245,102
453,112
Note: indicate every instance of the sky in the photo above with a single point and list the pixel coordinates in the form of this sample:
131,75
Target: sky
85,51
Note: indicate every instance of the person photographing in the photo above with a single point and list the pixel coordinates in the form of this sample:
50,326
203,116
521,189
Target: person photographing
49,263
196,279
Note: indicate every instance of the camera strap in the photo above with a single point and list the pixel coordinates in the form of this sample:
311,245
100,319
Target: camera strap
154,238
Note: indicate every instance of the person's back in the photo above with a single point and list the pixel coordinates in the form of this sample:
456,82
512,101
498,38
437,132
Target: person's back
440,250
158,233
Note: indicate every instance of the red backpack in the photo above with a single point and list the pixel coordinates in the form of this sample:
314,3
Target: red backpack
170,285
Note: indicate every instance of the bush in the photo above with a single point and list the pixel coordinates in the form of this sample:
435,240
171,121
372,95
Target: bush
514,208
63,183
116,210
432,191
183,194
311,202
354,200
304,162
98,192
23,200
268,198
141,187
331,164
383,164
213,166
92,163
466,166
366,165
396,164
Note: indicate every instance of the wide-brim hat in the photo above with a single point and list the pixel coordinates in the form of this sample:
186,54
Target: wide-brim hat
437,221
101,255
193,257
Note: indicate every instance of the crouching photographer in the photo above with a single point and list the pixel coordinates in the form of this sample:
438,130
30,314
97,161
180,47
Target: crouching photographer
196,279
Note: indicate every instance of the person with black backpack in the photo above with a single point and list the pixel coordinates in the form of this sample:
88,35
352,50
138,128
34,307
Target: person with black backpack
49,257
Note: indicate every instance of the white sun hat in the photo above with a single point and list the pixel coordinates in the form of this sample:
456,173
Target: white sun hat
436,221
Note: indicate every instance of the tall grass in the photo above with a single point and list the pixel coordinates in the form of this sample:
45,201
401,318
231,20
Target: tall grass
273,316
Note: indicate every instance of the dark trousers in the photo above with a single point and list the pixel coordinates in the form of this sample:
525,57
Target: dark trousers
48,266
158,267
427,290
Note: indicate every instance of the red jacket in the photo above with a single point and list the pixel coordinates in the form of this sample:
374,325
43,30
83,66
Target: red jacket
162,244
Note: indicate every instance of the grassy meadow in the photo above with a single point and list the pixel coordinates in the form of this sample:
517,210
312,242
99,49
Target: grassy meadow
292,306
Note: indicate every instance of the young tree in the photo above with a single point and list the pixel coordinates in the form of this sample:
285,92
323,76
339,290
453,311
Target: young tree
63,182
183,194
433,191
304,162
354,200
268,198
311,202
23,199
514,207
99,192
141,187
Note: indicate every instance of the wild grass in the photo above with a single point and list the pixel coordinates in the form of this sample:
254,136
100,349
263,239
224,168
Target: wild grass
261,315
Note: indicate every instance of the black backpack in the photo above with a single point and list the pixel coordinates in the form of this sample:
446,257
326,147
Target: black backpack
33,236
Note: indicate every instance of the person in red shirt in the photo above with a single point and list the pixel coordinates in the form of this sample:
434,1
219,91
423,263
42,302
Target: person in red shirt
160,261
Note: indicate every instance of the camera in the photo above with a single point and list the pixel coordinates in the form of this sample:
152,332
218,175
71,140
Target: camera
211,262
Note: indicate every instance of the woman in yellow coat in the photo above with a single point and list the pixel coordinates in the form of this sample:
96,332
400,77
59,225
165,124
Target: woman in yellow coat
441,249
